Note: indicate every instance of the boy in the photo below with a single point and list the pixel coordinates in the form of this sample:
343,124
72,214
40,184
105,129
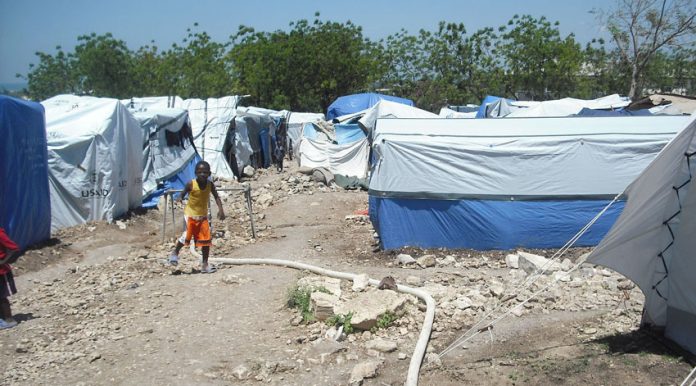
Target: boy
196,215
8,251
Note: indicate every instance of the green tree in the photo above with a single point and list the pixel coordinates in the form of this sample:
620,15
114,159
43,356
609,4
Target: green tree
538,62
640,28
55,74
104,66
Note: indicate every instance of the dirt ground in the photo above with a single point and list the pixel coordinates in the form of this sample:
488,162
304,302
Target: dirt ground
97,306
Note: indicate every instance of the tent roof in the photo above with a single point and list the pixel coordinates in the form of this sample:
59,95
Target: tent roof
349,104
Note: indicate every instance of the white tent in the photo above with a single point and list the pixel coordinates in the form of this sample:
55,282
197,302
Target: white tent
653,242
389,109
296,122
94,159
167,144
569,106
449,113
505,183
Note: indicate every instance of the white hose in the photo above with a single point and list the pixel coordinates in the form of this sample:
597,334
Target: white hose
423,338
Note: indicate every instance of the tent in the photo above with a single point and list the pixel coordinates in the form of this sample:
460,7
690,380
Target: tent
94,159
169,155
25,213
296,122
347,156
570,106
357,102
389,109
505,183
653,243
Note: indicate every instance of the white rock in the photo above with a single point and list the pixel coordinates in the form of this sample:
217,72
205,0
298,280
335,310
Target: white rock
405,259
381,345
414,281
512,261
248,171
447,261
363,370
426,261
532,263
360,282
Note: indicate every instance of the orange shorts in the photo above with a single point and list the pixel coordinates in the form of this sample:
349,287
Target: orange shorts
199,231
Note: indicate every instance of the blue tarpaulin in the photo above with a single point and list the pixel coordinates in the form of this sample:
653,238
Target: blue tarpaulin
350,104
25,210
175,182
348,133
488,224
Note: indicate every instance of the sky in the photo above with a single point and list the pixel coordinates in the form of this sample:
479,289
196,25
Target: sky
28,26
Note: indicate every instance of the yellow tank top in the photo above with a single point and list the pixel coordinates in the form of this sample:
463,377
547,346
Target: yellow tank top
198,200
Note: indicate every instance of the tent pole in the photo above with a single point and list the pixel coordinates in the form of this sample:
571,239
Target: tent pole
164,218
247,194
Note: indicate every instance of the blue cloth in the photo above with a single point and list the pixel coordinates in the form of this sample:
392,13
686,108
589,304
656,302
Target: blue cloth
488,224
25,204
484,104
266,150
348,133
175,182
350,104
585,112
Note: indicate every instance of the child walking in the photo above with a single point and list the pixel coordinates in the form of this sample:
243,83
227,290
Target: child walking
196,215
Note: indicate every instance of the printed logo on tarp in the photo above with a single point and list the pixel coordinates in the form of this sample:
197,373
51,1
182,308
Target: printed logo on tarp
97,191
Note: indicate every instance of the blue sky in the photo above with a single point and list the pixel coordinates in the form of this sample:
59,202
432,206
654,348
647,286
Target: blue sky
27,26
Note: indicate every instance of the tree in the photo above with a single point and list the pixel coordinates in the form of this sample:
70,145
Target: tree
55,74
104,66
640,28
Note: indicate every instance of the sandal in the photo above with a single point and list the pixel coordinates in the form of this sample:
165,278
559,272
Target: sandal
4,324
210,269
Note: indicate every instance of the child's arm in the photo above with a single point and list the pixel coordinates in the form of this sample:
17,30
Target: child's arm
187,190
221,212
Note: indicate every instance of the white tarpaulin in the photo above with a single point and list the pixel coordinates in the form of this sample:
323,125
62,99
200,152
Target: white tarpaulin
210,121
167,144
653,244
296,122
497,158
94,159
569,106
388,109
349,160
449,113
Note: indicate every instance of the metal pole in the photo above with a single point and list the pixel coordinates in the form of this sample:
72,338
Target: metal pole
247,194
173,217
164,218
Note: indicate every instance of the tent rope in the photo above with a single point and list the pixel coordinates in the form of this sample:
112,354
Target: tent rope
691,378
526,284
668,224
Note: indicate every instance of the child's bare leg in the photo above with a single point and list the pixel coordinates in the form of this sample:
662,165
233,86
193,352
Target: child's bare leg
205,251
5,310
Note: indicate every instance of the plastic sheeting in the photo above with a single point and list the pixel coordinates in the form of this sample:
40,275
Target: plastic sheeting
94,159
486,224
348,133
162,160
389,109
25,213
570,106
357,102
175,182
538,161
349,160
653,243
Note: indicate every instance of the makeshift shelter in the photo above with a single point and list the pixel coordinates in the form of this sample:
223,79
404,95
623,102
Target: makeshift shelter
388,109
296,122
505,183
570,106
94,159
211,120
346,158
357,102
25,213
169,155
653,242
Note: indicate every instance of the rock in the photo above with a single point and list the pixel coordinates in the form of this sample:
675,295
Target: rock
532,263
264,199
561,276
433,360
426,261
447,261
462,303
512,261
368,306
360,282
414,281
387,282
248,171
405,259
566,265
363,370
241,372
323,304
589,331
496,289
323,349
330,284
402,356
335,334
381,345
121,225
230,279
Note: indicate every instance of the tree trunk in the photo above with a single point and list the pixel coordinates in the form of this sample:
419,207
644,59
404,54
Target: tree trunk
634,93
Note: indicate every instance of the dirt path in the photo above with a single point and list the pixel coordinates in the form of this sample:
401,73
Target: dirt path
104,310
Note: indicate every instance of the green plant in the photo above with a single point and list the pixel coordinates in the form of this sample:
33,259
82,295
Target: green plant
386,319
342,320
300,298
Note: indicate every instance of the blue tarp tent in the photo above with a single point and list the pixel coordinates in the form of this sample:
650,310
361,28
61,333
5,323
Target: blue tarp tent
24,194
348,133
350,104
506,183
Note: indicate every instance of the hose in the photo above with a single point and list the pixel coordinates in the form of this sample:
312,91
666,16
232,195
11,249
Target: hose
423,338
